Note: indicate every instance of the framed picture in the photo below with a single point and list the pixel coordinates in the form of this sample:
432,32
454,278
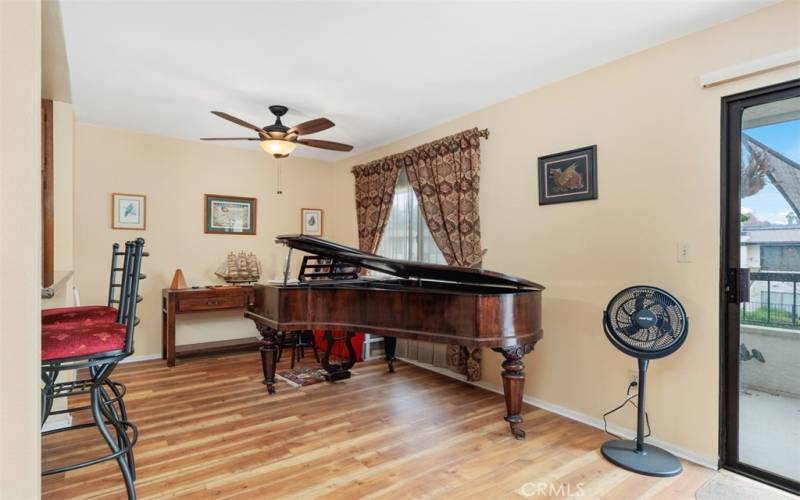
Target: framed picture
568,176
229,215
128,211
311,221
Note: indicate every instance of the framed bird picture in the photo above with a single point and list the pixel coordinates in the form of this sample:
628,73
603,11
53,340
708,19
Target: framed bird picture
311,221
568,176
128,211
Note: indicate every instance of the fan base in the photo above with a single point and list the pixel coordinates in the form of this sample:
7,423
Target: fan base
653,461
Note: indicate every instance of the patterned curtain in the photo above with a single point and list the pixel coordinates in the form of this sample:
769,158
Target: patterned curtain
375,183
445,176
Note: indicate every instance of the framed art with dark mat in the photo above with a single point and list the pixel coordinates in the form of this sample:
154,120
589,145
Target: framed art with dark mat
568,176
229,215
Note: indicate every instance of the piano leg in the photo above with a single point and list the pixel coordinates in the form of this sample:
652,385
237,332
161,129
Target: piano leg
389,347
514,384
269,354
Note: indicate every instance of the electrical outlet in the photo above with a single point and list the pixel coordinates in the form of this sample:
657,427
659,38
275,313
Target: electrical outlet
684,253
633,376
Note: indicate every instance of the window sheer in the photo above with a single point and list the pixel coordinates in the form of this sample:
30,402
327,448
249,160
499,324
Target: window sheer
406,235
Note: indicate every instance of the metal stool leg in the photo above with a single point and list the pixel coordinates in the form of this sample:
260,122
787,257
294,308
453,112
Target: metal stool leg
98,414
123,413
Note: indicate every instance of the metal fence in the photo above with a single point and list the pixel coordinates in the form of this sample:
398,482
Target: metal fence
773,313
776,315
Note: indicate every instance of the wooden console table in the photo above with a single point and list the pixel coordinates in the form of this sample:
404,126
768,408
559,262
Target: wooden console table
195,300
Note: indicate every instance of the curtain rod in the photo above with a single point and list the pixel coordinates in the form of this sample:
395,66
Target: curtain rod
484,133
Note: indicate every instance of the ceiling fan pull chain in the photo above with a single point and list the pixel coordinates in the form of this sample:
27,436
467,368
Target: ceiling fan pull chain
280,191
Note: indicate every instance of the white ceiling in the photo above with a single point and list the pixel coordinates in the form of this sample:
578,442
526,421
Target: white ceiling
380,70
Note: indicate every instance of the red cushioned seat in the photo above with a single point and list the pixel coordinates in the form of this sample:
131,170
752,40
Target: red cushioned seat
82,315
66,340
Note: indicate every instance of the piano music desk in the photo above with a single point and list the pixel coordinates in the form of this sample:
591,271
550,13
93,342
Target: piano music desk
197,300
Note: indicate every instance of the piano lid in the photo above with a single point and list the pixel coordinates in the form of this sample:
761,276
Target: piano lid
403,268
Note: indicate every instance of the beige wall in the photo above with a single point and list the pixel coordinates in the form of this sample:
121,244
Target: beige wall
658,140
55,67
20,247
174,174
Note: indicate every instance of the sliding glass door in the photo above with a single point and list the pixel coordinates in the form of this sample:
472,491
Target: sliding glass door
761,295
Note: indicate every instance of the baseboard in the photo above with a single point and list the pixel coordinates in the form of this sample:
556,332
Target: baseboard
443,371
60,423
141,357
628,433
691,456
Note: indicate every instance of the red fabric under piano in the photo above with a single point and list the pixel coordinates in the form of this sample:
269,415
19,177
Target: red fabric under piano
339,350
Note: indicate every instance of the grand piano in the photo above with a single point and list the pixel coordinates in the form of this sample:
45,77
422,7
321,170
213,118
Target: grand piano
413,300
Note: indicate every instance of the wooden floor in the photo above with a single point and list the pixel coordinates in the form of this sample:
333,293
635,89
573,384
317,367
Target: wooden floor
209,430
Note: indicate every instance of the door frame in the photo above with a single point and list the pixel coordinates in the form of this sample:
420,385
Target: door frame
730,210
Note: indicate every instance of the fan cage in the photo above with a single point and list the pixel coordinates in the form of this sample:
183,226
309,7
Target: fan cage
665,336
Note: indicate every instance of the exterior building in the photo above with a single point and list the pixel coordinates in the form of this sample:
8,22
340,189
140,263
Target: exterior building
772,250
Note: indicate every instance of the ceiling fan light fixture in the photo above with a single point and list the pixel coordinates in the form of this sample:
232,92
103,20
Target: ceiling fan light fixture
278,147
279,140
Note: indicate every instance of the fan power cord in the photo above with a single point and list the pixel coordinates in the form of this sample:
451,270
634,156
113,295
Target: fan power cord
628,399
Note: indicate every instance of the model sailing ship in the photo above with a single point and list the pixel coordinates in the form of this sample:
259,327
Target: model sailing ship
240,268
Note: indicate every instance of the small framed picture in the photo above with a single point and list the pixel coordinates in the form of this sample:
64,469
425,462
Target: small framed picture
311,220
229,215
568,176
128,211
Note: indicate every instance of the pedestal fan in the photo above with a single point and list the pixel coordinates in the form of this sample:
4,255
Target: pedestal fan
647,323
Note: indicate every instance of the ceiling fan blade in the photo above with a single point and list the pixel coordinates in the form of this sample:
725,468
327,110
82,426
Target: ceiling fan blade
312,126
230,139
237,121
333,146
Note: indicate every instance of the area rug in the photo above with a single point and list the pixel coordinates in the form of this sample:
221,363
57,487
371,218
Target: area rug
302,376
729,486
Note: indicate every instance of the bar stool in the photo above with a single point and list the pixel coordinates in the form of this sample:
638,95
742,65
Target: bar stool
87,342
91,315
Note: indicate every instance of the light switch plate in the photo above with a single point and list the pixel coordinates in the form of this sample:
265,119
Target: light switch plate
684,252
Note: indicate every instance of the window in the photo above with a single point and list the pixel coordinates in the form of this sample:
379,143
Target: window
406,235
780,257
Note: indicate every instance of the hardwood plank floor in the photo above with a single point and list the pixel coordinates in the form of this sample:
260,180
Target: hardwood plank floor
209,430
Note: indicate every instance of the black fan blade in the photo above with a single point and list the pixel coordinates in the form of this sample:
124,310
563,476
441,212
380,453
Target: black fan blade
230,138
664,325
630,329
333,146
312,126
237,121
639,301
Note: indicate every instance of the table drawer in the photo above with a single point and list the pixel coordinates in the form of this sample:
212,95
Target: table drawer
211,303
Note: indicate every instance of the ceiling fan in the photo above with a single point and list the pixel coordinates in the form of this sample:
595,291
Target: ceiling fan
278,139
